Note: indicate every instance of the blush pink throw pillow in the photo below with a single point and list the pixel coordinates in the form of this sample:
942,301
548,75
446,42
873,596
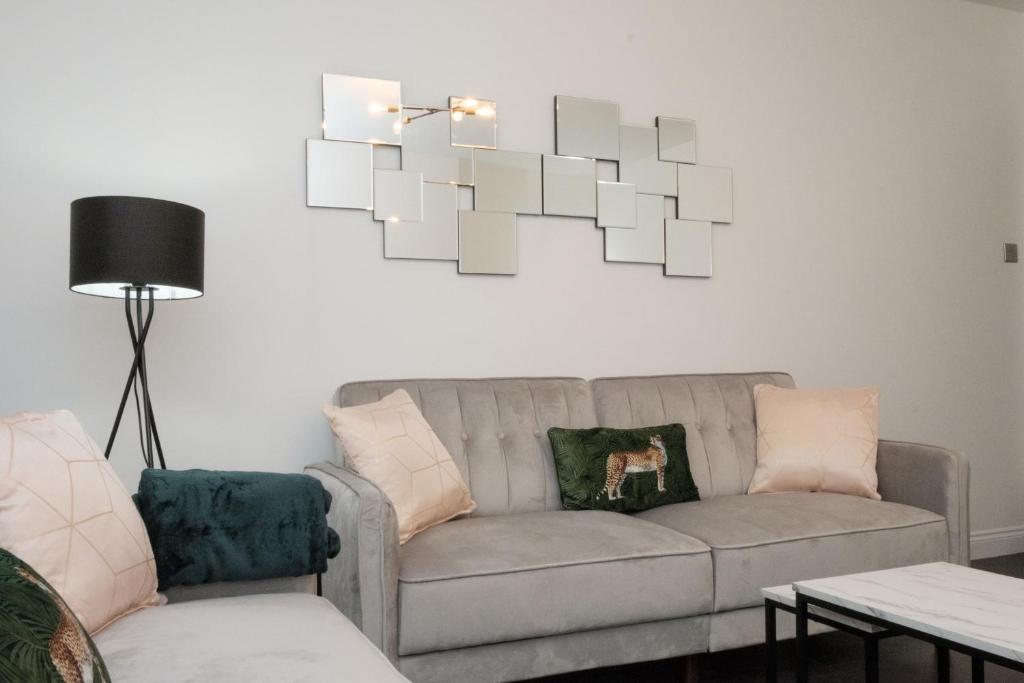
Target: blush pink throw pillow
390,443
816,440
64,512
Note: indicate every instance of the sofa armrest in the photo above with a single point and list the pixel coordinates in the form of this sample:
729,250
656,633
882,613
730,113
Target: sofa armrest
931,478
362,581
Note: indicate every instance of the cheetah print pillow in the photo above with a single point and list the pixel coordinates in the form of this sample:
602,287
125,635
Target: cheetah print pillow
40,637
623,470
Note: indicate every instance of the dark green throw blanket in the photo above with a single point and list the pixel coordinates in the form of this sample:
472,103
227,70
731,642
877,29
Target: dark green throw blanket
235,526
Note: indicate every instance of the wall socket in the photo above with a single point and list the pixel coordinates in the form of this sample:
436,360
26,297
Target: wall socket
1009,252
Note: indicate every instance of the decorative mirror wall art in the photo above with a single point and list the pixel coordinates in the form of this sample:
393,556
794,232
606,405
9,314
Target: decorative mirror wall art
397,195
570,186
427,148
621,175
339,174
586,128
507,182
362,109
474,122
688,248
705,193
487,243
616,205
677,140
437,236
646,242
639,163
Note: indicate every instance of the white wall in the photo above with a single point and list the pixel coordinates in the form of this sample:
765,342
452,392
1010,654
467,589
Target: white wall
877,149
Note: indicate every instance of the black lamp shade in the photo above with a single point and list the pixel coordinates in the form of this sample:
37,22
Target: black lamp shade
119,242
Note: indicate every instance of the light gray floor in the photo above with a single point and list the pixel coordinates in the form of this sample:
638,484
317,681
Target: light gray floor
836,658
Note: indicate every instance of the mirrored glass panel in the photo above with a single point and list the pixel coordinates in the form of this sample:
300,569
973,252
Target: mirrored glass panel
616,205
507,181
487,243
362,109
639,164
427,148
646,242
705,193
437,236
474,122
397,195
586,128
687,248
677,140
339,174
570,186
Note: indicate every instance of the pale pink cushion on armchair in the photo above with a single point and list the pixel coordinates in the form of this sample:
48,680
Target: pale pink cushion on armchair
64,512
816,440
390,443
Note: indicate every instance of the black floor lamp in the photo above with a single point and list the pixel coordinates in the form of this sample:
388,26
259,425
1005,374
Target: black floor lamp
134,248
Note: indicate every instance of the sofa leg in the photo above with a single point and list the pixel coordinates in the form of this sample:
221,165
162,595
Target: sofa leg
691,669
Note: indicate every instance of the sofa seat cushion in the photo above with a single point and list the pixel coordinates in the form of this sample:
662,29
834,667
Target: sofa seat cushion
772,539
277,637
507,577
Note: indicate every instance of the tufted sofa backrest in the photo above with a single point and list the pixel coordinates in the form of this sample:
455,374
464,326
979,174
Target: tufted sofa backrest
717,411
496,429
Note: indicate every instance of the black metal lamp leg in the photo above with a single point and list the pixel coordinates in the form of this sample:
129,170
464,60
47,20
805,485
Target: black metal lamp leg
771,672
138,330
152,436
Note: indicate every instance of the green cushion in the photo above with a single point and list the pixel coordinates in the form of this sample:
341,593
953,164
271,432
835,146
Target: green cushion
40,637
617,469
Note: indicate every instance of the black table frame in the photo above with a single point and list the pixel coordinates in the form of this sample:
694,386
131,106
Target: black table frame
870,638
942,645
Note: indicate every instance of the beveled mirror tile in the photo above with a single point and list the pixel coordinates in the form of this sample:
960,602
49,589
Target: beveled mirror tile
487,243
427,148
687,248
362,109
507,181
387,157
608,171
677,140
705,193
639,164
339,174
397,195
570,186
586,128
616,205
437,236
646,242
474,123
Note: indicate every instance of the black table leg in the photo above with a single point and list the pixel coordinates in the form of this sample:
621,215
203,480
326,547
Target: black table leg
802,665
870,659
977,669
771,673
942,663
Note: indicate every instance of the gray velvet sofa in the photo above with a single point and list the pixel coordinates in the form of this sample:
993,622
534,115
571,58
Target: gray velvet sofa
523,588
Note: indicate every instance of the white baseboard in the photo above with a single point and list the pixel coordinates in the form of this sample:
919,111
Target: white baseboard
995,542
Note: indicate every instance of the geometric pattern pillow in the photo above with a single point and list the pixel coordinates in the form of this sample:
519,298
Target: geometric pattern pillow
64,511
40,638
390,443
816,440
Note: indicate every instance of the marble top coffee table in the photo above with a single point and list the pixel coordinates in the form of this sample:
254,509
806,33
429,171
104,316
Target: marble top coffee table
956,608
